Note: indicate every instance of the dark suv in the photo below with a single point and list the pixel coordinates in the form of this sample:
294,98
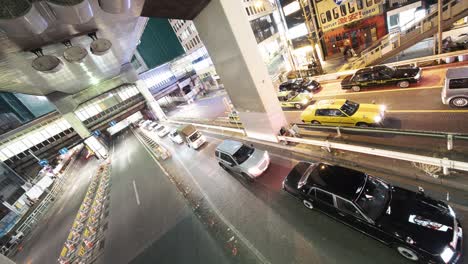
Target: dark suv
402,76
417,226
300,85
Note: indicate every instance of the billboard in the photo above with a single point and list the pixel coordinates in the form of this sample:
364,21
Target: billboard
336,13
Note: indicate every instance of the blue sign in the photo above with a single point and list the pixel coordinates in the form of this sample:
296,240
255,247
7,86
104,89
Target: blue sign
112,123
43,163
338,2
63,151
96,132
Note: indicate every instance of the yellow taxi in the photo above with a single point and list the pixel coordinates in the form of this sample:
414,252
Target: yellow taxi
342,112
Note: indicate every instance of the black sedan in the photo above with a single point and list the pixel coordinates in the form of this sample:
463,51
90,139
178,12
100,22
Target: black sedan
417,226
300,85
402,76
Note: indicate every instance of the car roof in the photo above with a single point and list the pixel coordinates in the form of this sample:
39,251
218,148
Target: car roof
229,146
338,180
454,73
329,103
371,69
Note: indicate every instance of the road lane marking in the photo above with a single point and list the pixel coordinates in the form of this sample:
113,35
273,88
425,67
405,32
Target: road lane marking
241,237
136,193
409,111
380,91
427,111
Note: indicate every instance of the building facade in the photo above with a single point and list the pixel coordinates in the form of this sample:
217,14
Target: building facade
17,109
266,25
356,24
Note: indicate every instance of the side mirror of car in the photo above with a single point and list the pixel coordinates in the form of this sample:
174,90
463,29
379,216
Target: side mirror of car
421,189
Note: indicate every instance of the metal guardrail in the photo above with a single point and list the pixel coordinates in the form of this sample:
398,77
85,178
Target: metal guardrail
443,163
415,62
35,217
222,128
450,137
440,162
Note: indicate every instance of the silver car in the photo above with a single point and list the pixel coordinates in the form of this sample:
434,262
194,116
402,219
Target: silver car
246,160
455,90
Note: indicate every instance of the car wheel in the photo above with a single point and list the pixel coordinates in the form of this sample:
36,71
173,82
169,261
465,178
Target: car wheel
223,166
298,106
356,88
308,204
403,84
459,102
315,122
407,253
362,124
247,177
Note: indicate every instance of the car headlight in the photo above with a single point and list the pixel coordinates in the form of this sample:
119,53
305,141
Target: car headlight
447,254
377,119
254,171
383,108
304,101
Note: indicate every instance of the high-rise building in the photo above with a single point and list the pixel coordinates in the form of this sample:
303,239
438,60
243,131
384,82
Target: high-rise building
17,109
266,25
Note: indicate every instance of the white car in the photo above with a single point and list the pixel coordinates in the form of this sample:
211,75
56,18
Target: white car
175,137
152,126
162,131
156,127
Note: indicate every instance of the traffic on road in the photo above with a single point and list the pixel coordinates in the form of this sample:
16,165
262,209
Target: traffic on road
410,223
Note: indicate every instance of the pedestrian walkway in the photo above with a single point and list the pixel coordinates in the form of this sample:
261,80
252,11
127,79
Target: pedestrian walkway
46,241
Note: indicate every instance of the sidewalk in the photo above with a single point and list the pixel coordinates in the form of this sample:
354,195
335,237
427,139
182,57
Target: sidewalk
46,240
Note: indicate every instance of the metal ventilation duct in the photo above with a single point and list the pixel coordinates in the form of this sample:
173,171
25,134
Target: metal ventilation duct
115,6
46,63
72,11
21,18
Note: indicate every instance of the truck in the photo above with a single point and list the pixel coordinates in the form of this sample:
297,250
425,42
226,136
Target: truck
191,136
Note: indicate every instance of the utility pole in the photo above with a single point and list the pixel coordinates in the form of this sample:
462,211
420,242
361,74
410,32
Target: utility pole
308,17
439,20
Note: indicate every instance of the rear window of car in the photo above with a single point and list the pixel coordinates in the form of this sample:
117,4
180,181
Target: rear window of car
458,83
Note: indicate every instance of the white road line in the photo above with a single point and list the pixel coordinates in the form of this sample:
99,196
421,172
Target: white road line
254,250
136,193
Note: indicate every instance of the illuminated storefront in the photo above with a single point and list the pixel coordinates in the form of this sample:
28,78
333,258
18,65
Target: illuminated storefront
356,23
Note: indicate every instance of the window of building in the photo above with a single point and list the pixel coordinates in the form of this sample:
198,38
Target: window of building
247,10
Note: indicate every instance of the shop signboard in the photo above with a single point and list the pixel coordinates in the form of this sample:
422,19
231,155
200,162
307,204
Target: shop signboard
333,13
63,151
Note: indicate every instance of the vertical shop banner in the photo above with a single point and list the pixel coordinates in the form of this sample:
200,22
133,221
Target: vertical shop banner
336,13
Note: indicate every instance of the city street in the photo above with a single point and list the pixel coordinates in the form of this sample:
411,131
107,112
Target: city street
149,221
276,224
47,240
418,107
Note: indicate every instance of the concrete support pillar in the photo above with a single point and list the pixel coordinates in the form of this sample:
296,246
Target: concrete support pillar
66,107
225,30
150,101
77,125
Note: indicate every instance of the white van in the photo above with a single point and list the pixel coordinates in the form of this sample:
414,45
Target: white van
455,90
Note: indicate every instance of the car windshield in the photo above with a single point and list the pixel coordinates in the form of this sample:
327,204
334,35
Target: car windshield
174,134
374,197
195,136
243,153
305,176
388,71
349,107
160,128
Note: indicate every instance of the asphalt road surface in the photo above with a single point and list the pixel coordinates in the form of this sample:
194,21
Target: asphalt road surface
418,107
149,221
47,239
276,224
